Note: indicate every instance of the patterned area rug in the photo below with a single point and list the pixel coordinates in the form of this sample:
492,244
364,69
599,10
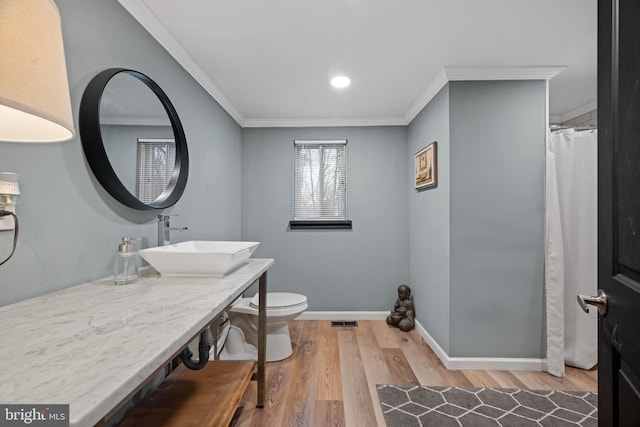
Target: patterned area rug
422,406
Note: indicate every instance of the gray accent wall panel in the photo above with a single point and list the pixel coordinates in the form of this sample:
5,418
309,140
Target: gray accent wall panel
497,218
338,270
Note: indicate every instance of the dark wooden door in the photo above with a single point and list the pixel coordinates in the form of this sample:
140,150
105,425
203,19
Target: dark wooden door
619,211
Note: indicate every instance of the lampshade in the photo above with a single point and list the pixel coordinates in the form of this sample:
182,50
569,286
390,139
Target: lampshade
34,92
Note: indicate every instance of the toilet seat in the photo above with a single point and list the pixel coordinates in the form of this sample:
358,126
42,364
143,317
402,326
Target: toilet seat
280,300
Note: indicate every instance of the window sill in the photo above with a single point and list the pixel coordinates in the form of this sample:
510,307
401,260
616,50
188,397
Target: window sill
320,225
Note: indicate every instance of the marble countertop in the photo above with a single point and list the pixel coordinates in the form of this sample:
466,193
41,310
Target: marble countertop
92,345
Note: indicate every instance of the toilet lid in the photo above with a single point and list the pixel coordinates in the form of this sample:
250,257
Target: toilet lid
280,300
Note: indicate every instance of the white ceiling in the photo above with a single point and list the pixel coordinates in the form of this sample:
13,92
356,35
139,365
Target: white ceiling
268,63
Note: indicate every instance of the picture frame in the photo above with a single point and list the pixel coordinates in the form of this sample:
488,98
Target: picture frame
426,167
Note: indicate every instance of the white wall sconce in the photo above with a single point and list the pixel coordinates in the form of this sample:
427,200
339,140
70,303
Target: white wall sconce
9,195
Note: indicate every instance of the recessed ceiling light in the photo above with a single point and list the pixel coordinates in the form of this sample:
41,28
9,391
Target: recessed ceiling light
340,82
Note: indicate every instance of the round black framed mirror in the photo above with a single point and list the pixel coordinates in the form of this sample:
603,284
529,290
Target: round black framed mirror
133,139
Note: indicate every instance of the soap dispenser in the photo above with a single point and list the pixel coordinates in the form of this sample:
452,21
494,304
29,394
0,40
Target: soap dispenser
126,265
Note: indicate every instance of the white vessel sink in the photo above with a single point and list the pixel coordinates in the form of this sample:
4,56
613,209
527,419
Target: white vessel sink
199,257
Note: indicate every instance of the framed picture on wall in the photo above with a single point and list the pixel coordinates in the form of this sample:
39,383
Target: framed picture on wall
427,167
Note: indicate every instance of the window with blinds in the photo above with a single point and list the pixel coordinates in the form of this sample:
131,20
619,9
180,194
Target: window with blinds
156,160
320,184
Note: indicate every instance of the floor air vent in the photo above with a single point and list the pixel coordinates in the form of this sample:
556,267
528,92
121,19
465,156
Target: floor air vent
342,323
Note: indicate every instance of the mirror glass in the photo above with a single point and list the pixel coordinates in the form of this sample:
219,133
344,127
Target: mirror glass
133,139
137,137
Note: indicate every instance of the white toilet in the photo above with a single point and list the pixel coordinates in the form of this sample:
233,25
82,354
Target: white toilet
242,339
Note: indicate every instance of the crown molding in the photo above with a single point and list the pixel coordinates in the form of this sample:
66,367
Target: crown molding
432,90
449,74
139,10
332,122
503,73
445,75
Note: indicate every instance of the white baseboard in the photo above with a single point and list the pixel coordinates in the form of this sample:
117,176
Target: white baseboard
439,351
343,315
452,363
481,363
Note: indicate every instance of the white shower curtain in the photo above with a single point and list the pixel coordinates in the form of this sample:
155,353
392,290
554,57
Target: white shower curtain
571,248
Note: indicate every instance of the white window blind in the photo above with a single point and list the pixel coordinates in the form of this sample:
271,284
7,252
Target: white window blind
320,180
156,159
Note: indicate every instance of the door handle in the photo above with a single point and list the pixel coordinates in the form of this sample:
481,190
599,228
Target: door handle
601,302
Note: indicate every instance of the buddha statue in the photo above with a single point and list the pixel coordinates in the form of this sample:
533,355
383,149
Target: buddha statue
403,312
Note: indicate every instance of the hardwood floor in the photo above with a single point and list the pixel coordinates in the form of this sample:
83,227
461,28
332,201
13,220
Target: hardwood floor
331,377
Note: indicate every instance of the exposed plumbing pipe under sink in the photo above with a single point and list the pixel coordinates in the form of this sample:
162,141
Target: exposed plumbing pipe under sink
203,353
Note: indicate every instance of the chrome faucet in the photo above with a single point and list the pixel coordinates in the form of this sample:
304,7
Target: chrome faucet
164,228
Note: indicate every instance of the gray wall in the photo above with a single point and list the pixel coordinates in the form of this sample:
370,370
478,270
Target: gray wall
429,222
69,227
497,218
350,270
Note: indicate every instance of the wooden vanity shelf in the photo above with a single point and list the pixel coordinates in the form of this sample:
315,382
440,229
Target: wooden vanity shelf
208,397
